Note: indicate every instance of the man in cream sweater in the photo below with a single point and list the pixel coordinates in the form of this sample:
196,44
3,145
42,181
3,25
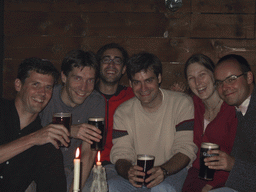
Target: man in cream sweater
156,122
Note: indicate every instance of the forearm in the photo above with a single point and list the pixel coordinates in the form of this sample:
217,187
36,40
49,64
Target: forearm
122,167
10,150
176,163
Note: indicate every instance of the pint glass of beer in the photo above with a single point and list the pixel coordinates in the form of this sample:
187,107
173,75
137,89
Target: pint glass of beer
62,118
99,123
205,172
147,163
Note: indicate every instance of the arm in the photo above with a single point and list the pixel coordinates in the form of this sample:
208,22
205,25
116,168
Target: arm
174,165
86,132
130,172
87,161
49,134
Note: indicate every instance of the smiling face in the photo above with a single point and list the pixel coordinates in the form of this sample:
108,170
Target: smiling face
200,80
145,86
111,73
236,93
34,94
78,85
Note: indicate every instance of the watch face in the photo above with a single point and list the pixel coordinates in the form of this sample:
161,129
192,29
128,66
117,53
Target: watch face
165,172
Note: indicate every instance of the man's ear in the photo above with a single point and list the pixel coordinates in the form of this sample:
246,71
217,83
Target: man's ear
249,77
63,77
159,78
130,83
17,84
124,69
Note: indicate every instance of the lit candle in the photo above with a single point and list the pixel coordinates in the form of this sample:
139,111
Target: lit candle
98,162
76,171
99,177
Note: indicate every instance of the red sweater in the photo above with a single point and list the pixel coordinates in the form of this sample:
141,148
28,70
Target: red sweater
122,94
222,131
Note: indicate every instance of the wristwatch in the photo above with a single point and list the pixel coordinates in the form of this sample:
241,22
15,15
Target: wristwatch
166,173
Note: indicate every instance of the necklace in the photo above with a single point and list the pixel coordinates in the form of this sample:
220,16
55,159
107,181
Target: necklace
209,116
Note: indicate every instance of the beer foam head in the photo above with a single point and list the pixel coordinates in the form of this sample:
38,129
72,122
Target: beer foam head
96,119
210,146
145,157
61,114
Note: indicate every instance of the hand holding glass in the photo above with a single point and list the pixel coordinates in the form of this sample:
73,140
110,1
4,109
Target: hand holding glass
99,123
147,163
62,118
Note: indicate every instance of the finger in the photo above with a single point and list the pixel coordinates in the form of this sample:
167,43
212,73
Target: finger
215,167
85,139
214,152
63,141
92,127
59,127
92,135
136,184
55,143
213,158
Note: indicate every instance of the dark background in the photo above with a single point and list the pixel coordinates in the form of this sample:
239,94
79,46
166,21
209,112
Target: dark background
50,28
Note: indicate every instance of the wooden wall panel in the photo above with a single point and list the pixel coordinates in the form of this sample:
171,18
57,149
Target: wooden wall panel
85,24
223,6
50,28
92,6
89,5
222,26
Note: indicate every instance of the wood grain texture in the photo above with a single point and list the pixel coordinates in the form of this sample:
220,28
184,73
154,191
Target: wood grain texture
223,6
51,28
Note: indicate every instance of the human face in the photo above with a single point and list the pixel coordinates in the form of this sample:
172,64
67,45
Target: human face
200,80
236,93
111,73
145,85
35,93
78,85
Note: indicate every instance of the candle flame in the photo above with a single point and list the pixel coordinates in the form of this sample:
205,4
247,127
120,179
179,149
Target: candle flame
98,156
77,152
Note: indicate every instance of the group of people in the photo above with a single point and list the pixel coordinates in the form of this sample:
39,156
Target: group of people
140,119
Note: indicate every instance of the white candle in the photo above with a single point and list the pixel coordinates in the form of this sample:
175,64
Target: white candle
99,183
76,171
98,162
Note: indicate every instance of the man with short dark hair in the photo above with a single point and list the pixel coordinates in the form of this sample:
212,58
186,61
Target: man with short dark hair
112,59
27,151
156,122
79,71
235,85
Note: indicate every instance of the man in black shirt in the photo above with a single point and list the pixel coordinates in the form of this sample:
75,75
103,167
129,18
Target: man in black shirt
27,151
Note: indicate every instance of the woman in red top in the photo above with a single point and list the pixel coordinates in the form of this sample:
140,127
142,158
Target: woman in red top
214,120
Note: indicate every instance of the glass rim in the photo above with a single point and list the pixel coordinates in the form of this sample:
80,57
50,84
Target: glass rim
62,114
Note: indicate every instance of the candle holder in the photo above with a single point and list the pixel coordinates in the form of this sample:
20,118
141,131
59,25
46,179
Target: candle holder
99,179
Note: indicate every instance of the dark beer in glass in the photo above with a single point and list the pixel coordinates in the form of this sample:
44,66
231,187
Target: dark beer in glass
62,118
147,163
99,123
205,172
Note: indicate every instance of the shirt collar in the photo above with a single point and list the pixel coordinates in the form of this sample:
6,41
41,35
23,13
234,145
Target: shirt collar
244,106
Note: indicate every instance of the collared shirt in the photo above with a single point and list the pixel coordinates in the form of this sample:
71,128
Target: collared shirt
244,106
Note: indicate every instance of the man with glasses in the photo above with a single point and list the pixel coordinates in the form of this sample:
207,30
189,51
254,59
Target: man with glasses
112,60
235,85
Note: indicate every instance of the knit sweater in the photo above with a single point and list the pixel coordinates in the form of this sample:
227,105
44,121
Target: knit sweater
162,133
243,174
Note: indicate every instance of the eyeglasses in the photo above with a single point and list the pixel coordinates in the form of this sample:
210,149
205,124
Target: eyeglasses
229,80
116,60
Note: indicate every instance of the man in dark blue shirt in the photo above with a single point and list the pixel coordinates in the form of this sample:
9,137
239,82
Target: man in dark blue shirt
27,151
